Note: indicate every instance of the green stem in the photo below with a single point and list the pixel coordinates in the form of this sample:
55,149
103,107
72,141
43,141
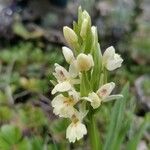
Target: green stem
93,133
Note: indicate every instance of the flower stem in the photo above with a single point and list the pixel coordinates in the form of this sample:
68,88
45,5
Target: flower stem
93,133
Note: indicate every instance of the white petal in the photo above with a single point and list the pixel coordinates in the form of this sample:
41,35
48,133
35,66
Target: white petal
70,133
62,108
86,98
105,90
113,97
95,100
109,53
66,111
62,87
80,130
111,60
114,63
61,73
73,69
74,95
75,131
68,54
58,100
57,104
85,62
56,110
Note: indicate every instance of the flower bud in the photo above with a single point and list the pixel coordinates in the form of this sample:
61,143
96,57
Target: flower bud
85,62
68,54
84,28
85,15
94,34
70,36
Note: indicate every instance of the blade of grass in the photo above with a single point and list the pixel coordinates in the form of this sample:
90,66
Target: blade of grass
116,119
133,142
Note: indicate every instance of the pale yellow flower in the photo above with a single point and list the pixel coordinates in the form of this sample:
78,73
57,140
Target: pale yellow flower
111,60
76,130
85,62
94,99
102,95
64,106
65,79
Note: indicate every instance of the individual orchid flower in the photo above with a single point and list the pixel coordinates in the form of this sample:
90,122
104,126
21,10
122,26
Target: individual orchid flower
70,59
64,106
76,130
64,78
83,62
111,60
94,99
102,95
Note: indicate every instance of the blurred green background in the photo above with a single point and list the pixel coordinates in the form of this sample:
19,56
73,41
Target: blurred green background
30,43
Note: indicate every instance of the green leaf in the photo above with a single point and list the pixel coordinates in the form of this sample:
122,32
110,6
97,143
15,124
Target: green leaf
10,133
37,143
24,145
96,74
3,144
116,121
37,119
88,40
79,18
5,114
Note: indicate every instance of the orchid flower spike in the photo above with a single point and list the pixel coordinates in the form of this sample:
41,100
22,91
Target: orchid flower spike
82,86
